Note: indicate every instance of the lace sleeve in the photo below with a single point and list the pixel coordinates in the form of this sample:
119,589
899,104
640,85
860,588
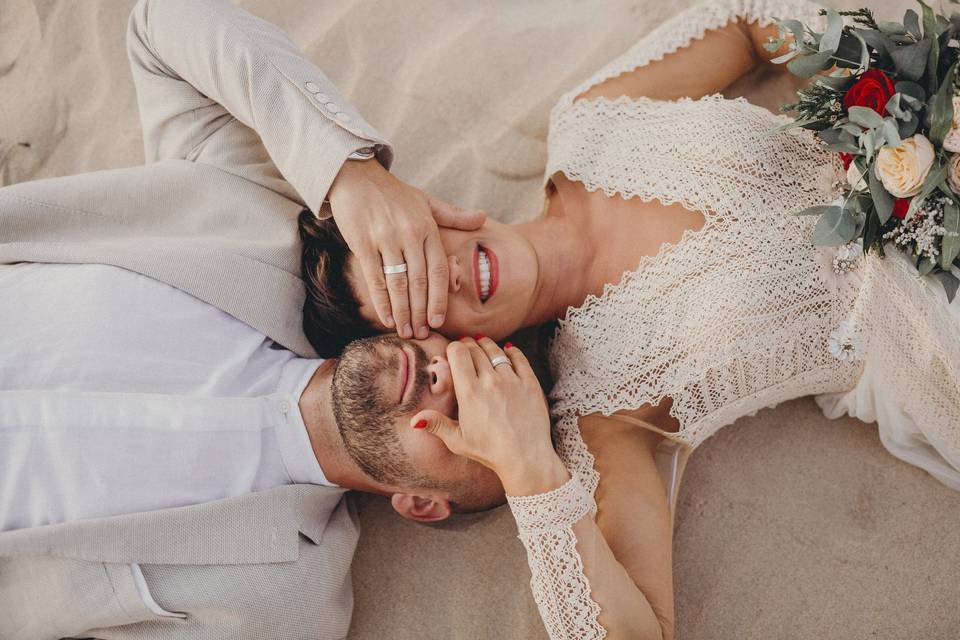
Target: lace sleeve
560,587
692,24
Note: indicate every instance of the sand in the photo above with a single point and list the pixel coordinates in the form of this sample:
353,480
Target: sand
789,526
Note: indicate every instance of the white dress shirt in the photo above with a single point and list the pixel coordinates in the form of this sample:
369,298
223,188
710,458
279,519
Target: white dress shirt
120,394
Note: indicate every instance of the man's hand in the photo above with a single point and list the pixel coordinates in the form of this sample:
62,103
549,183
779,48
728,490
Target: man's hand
387,222
504,421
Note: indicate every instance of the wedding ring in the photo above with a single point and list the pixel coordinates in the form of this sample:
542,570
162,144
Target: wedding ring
395,268
499,360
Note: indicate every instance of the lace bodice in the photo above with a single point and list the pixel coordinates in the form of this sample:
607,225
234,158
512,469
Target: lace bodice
711,321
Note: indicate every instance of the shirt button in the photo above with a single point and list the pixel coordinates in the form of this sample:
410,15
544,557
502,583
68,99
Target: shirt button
311,87
343,117
322,97
332,107
284,407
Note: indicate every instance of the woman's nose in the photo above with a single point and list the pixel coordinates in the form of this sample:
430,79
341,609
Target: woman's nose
441,382
453,265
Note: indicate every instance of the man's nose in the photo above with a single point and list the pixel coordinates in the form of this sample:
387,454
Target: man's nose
453,265
441,382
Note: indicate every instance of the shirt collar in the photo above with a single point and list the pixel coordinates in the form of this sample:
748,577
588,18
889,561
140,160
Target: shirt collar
295,447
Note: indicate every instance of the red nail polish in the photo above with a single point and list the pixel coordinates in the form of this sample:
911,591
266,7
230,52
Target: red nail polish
508,345
479,336
421,424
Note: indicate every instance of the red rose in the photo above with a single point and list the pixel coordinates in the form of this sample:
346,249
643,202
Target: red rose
871,90
846,158
900,206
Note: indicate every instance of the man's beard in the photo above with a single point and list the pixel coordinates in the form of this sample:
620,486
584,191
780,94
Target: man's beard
366,418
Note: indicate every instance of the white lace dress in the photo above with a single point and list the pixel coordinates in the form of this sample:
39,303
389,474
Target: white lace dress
739,315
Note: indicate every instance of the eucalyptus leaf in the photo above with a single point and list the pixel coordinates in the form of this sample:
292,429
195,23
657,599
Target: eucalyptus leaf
950,245
934,178
789,55
808,66
869,140
882,201
791,125
829,135
891,133
793,26
871,230
850,128
941,116
831,38
949,282
909,127
865,117
926,266
816,210
893,107
910,60
912,89
930,25
875,39
835,227
851,47
891,28
911,21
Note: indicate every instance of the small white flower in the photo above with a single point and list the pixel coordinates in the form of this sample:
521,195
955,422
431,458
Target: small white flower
841,344
847,258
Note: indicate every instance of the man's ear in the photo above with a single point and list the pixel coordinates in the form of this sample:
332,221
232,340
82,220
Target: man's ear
420,508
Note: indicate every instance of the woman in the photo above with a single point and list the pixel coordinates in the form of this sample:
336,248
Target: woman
687,296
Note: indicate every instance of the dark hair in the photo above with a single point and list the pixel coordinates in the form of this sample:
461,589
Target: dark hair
331,312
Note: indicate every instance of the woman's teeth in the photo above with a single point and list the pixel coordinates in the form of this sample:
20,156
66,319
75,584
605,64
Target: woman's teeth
484,263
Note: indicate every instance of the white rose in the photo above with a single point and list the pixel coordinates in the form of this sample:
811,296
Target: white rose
855,178
953,173
903,169
952,142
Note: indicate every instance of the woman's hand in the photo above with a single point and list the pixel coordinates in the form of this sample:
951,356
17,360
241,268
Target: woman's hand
504,421
385,221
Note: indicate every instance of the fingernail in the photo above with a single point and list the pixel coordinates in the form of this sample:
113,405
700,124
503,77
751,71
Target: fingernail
508,345
479,337
421,424
389,321
407,331
436,321
462,338
423,333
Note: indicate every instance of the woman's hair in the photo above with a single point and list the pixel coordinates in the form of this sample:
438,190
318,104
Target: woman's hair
331,312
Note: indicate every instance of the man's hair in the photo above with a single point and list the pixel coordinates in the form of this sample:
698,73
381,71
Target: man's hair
331,312
366,420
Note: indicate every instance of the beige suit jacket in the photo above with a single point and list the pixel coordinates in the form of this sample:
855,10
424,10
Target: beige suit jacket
240,133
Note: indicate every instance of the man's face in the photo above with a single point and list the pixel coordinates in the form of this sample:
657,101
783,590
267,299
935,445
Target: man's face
380,383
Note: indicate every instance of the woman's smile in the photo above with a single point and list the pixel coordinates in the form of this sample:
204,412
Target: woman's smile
486,272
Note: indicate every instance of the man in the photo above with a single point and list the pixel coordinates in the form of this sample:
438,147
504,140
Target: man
241,132
135,420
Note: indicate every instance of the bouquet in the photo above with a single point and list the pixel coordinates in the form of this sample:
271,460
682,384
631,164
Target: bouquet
885,99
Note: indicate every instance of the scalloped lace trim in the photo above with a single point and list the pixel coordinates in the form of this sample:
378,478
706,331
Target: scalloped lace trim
560,586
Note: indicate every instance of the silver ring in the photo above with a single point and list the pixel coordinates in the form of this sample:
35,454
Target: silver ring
499,360
395,268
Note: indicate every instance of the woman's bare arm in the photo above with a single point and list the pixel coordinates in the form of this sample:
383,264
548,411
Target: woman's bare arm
703,67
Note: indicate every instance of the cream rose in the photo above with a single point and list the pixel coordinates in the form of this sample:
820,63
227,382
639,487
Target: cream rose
903,169
953,173
855,178
952,141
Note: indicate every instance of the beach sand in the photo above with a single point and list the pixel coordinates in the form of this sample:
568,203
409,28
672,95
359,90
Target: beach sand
789,526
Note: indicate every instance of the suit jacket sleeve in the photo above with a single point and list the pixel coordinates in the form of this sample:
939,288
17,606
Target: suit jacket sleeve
216,84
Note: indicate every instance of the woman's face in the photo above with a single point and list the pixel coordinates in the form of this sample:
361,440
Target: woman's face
493,277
